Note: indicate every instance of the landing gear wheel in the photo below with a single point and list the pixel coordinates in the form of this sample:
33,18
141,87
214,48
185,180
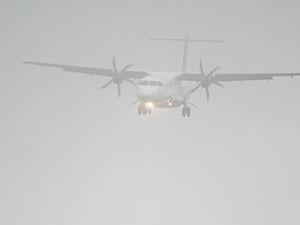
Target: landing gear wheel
142,109
186,111
183,112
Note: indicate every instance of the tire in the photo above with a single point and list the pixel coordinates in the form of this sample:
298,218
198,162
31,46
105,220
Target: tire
183,112
139,110
188,112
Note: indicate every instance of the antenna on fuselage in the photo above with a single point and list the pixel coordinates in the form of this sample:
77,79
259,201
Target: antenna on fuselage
186,41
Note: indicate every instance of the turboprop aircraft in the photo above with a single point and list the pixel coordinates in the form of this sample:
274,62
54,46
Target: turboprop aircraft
166,90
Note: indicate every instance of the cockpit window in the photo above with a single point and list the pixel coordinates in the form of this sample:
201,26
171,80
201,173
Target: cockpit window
151,83
143,83
160,84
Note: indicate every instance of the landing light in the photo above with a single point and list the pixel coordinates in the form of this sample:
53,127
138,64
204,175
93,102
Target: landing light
149,105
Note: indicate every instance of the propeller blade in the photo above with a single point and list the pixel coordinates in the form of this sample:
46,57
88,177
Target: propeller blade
130,81
119,90
195,88
201,68
135,102
213,71
218,84
107,84
207,94
126,68
114,65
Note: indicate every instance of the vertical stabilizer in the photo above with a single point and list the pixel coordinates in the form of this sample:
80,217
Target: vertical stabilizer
186,41
185,53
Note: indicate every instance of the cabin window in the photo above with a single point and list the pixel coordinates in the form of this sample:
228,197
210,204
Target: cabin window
152,83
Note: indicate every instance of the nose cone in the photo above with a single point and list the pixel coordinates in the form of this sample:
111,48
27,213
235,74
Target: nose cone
148,93
150,89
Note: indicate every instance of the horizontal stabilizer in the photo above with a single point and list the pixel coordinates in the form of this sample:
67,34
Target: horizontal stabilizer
166,39
214,41
183,40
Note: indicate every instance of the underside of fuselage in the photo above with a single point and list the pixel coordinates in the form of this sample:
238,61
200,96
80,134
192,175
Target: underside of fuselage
154,92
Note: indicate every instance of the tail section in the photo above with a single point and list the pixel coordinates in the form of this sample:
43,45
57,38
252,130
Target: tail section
186,41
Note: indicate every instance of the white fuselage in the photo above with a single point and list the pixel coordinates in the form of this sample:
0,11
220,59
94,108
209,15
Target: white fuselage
163,90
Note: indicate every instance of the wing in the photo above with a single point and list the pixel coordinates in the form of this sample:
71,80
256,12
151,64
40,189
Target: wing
92,70
224,77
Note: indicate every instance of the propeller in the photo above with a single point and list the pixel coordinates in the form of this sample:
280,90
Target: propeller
118,76
207,81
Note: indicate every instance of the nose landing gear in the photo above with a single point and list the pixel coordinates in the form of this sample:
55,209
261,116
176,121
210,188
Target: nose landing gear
186,111
143,109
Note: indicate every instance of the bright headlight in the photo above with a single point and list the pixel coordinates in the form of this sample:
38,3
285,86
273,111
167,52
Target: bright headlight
149,105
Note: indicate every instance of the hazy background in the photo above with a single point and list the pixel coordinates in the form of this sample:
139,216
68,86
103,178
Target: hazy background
74,154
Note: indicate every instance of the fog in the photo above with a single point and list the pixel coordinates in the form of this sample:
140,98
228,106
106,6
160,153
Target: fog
72,153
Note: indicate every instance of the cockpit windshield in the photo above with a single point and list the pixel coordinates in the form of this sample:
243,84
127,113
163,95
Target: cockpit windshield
151,83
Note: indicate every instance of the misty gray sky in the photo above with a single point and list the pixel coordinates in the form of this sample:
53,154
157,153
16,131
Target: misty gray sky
71,153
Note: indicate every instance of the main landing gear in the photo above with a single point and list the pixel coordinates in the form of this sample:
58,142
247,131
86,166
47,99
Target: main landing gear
186,111
143,109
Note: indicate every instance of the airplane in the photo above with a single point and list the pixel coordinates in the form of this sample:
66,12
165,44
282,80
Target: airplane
166,89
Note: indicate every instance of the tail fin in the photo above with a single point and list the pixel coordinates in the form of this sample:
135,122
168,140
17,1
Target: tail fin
186,42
